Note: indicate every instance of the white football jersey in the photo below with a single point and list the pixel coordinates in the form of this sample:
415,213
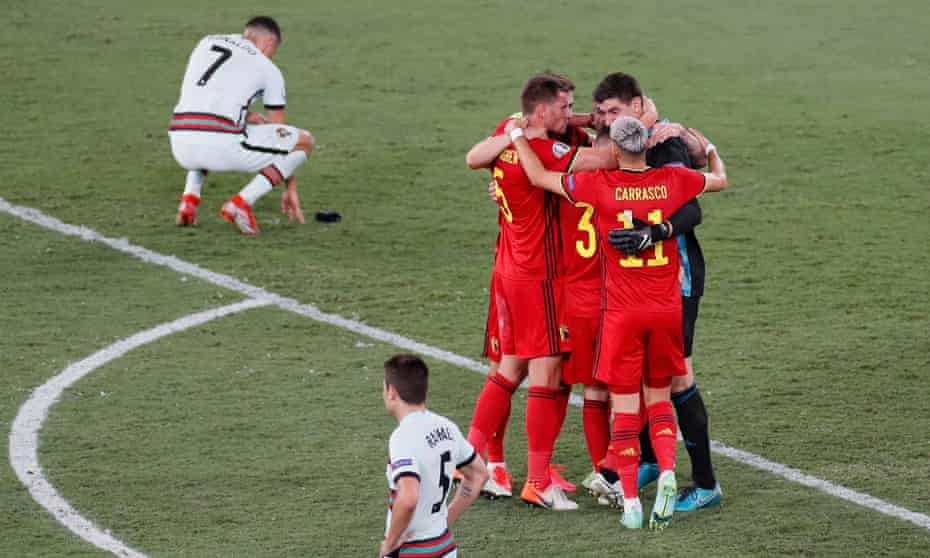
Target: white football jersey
225,74
429,447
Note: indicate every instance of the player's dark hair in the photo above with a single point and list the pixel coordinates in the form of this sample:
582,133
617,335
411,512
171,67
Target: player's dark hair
267,24
409,376
617,86
543,88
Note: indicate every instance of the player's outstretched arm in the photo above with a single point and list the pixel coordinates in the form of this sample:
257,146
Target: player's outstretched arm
581,120
666,130
405,504
716,179
643,235
533,167
255,118
650,113
483,154
685,219
592,158
475,474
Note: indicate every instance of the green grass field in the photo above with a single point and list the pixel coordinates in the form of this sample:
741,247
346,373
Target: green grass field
263,433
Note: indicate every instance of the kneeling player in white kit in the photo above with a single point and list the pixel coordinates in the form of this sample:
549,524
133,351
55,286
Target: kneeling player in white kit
425,450
213,130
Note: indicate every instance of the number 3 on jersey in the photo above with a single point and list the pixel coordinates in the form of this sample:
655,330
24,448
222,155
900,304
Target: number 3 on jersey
586,249
659,258
499,193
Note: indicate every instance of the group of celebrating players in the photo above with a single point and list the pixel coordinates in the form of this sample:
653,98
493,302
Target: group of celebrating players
597,281
597,278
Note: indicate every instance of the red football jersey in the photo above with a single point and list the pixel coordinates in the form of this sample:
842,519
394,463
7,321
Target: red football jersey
649,280
530,246
582,265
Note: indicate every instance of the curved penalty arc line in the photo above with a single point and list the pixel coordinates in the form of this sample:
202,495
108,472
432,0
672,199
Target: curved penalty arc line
24,436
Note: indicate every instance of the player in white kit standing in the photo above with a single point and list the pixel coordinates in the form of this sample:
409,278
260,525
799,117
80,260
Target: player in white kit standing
212,128
425,449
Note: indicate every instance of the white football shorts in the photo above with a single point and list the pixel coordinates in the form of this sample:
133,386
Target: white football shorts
257,147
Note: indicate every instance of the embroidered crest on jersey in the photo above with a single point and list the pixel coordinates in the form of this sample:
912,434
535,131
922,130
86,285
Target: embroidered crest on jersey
560,149
283,133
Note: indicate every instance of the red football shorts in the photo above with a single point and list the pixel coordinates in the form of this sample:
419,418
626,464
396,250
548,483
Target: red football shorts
637,346
529,321
579,368
492,337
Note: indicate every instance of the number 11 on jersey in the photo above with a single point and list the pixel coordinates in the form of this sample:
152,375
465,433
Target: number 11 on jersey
658,258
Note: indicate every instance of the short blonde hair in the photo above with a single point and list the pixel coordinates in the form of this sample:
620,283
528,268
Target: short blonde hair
629,134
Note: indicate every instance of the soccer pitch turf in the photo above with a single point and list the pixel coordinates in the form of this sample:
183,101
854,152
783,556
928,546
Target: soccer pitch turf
263,433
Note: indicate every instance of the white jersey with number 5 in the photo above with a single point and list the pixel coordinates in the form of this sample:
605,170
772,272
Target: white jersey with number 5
225,74
428,447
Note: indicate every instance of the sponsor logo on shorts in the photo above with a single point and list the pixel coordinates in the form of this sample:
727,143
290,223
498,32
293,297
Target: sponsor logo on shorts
495,345
563,333
560,149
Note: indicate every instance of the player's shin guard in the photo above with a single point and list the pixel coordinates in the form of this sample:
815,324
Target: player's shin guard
692,418
596,420
624,447
194,183
663,432
543,421
492,406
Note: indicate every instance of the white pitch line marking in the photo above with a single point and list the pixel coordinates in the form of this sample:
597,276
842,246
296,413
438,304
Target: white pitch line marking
311,311
24,436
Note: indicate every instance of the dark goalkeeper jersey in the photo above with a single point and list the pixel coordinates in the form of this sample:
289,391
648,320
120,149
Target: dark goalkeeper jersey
675,152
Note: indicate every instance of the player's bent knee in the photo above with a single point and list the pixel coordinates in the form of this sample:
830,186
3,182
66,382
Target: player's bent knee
305,142
681,383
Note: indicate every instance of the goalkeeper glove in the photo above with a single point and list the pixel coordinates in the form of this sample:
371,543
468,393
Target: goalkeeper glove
641,236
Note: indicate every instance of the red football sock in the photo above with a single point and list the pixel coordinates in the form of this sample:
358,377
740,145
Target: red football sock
542,428
496,443
624,446
663,432
492,405
596,420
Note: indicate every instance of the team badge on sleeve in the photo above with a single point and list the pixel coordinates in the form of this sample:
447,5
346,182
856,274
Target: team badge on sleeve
560,149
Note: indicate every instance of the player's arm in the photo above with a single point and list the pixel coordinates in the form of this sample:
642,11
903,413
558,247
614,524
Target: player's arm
582,120
533,167
667,130
643,234
650,113
483,154
590,158
405,505
255,118
716,179
276,116
474,474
